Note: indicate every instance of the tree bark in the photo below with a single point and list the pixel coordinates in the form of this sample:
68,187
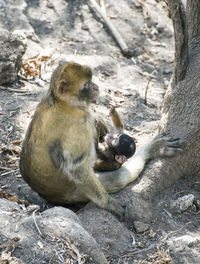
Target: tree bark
181,116
193,19
177,12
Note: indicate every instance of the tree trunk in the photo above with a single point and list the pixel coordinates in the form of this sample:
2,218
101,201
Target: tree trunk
181,113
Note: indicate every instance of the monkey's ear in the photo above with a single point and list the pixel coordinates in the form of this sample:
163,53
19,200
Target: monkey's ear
63,87
120,158
134,139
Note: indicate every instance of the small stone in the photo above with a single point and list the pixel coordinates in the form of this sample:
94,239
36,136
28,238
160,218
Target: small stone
182,203
50,4
140,227
197,203
39,81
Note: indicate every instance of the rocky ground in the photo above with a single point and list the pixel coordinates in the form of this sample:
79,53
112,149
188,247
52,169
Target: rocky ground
32,231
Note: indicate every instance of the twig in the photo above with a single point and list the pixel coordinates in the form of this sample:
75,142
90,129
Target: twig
79,256
22,92
146,74
5,168
41,234
52,258
9,172
12,89
134,252
176,231
145,96
71,246
124,48
28,93
139,251
168,213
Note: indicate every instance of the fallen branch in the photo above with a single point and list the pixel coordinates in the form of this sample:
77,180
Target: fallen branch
16,90
9,172
132,252
124,48
175,231
5,168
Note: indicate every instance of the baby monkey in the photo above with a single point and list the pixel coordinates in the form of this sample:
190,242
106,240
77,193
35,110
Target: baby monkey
112,149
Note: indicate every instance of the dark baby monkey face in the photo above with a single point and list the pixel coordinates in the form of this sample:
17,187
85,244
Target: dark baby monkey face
121,145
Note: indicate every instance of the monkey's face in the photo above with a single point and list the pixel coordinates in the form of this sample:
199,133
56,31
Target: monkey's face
74,82
121,144
89,92
112,140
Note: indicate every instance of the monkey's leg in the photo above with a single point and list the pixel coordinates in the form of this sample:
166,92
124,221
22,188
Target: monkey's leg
92,188
158,147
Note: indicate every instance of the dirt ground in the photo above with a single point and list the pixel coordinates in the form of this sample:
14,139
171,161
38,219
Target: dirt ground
71,30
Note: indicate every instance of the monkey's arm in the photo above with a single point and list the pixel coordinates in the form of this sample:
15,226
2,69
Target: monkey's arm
101,129
158,147
116,120
105,159
110,165
79,171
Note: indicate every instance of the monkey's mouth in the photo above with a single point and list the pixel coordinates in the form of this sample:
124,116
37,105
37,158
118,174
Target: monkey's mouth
111,139
89,93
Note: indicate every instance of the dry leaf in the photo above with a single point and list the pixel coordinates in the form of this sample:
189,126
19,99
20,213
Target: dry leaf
6,258
12,198
31,67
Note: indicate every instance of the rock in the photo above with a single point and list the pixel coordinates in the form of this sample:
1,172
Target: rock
62,222
197,203
50,4
107,230
13,46
182,203
2,5
160,29
137,209
55,230
184,241
148,67
167,69
184,248
140,227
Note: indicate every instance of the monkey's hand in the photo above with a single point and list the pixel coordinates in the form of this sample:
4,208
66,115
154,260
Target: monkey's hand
112,106
114,207
164,147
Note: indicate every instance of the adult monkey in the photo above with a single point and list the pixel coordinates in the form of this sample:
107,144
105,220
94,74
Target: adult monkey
58,151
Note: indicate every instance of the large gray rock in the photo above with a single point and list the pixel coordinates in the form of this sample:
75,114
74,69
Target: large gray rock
50,237
13,46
